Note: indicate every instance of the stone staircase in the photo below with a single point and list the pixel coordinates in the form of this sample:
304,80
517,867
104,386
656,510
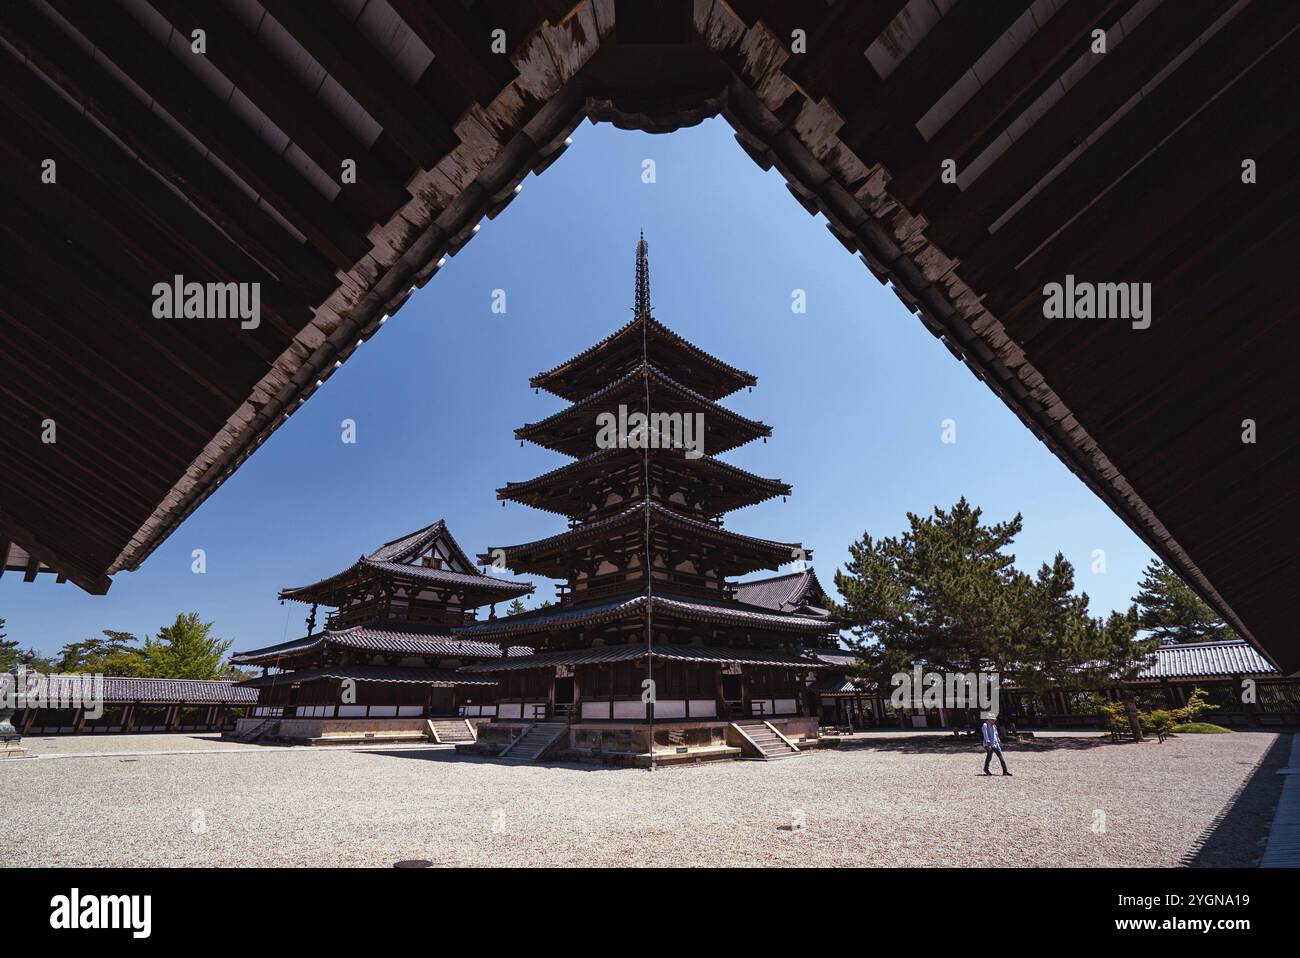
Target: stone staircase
534,743
450,731
766,740
265,727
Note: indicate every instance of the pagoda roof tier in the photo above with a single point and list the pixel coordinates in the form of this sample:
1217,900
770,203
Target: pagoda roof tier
573,431
564,619
712,654
404,558
554,555
625,348
388,674
380,637
471,584
794,591
561,490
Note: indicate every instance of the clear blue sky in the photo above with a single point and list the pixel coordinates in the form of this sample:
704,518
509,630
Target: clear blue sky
855,390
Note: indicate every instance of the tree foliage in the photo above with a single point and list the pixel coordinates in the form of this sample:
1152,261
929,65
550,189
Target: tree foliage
946,594
1170,611
113,654
186,649
8,649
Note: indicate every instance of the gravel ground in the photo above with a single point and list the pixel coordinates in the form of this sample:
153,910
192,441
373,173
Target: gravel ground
82,744
906,802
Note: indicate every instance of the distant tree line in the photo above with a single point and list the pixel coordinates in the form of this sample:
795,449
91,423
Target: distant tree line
186,649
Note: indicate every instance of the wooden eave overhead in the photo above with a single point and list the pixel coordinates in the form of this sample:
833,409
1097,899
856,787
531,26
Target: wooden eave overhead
1119,167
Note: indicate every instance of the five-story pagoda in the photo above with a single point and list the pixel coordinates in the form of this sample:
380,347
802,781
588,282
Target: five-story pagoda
649,655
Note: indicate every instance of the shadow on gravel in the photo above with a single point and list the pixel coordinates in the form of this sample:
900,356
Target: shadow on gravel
449,755
942,746
1235,839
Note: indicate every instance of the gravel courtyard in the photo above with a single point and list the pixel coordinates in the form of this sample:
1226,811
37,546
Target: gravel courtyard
1072,801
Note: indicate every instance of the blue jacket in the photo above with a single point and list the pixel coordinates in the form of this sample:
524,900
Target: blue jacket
989,735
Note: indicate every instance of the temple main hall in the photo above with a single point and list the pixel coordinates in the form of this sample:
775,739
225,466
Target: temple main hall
385,664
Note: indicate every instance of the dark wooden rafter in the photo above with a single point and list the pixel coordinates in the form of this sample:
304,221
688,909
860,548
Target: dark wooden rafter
377,192
887,119
962,219
90,84
142,227
835,44
325,34
1215,67
204,115
916,165
462,43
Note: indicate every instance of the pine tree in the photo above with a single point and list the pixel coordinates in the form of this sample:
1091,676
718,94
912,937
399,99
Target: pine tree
115,654
1172,612
516,607
937,594
946,595
8,649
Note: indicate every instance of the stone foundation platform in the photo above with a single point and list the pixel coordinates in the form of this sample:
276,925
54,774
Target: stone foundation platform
637,744
348,731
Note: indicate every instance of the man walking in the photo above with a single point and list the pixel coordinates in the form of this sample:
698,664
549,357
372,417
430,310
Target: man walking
992,743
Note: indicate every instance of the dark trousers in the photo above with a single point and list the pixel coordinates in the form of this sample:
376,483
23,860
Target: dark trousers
988,757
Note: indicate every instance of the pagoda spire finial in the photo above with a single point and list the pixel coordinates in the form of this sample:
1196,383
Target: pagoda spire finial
641,307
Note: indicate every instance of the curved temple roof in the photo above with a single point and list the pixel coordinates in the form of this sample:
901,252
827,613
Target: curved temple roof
554,491
668,606
400,559
560,381
766,550
405,675
672,653
386,637
573,431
